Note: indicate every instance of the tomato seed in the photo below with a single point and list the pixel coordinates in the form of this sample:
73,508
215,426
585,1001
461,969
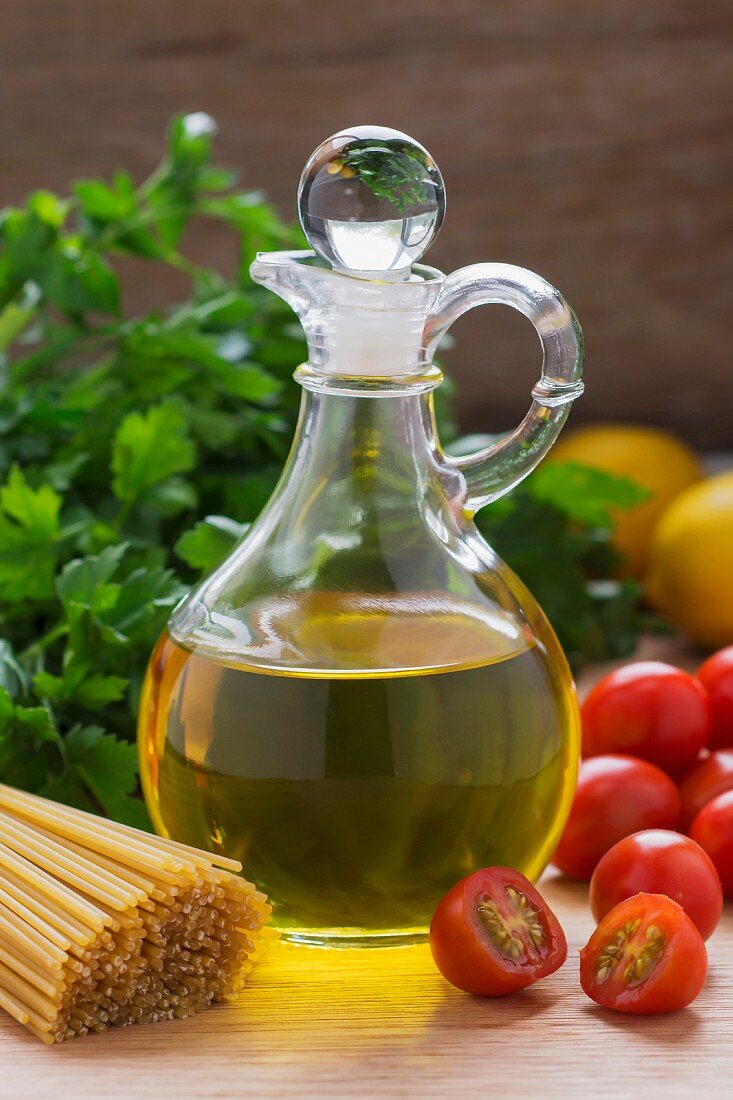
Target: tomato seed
499,934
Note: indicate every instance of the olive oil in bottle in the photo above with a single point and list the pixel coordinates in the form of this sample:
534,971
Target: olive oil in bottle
356,798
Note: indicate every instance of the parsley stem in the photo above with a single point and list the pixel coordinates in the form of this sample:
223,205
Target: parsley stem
53,634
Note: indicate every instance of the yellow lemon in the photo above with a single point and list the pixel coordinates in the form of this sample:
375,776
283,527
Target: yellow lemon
690,575
654,459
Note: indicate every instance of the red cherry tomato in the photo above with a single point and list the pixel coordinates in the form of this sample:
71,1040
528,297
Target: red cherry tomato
711,777
716,676
658,861
615,796
493,934
645,957
650,710
712,829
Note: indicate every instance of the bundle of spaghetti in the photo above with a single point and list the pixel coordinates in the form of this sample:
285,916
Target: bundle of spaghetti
104,925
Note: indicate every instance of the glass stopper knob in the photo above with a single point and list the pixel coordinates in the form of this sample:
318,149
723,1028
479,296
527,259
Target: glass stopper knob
371,200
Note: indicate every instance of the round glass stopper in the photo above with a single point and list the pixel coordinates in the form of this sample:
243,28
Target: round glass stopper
370,201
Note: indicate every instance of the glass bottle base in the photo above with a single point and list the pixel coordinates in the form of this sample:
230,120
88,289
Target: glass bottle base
352,937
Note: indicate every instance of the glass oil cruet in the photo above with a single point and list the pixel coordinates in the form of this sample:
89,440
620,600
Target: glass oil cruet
363,703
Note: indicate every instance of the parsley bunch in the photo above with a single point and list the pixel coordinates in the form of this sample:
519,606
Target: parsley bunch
134,449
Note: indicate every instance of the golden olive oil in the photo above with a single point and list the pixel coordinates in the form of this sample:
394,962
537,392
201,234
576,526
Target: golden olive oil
414,743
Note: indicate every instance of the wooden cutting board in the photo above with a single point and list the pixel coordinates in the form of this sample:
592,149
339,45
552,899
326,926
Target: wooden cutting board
383,1023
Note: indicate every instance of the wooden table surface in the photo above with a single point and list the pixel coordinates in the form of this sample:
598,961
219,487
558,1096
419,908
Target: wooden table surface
383,1023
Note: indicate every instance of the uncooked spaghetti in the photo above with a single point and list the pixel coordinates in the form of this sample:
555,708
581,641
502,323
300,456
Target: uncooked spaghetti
103,925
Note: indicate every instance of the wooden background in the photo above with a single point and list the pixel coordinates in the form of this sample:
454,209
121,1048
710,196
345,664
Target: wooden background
592,142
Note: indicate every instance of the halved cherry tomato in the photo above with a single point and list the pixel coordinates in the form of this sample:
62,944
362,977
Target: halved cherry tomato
716,676
493,934
658,861
615,796
650,710
645,957
712,829
711,777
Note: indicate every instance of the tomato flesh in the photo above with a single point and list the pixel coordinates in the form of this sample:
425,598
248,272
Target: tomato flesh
716,676
493,934
650,710
659,861
645,957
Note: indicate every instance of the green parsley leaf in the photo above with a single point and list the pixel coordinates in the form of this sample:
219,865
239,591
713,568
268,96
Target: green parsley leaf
209,542
84,582
104,203
27,735
585,495
106,766
80,282
145,597
29,531
93,692
148,448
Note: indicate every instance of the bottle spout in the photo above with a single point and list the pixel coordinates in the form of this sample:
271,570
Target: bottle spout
355,328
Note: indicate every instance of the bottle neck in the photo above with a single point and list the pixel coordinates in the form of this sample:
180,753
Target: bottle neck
365,451
351,342
367,436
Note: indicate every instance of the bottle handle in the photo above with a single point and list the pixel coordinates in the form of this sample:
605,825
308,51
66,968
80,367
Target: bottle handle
491,472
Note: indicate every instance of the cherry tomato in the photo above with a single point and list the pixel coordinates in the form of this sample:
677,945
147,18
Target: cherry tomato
716,676
712,829
493,934
709,778
615,796
645,957
650,710
658,861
